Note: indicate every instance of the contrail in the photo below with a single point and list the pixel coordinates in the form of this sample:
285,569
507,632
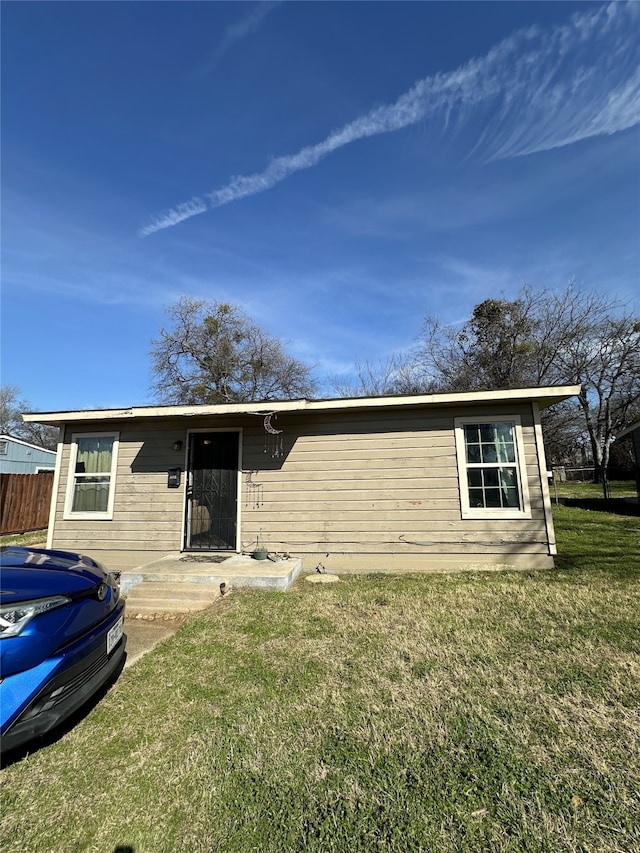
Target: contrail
243,27
534,91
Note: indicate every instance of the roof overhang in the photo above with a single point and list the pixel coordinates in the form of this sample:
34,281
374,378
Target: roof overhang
21,441
628,430
544,397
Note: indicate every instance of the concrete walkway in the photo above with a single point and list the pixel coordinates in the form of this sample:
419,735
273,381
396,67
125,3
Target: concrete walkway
143,636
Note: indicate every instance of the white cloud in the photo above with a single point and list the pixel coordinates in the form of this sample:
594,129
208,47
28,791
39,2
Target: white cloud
542,90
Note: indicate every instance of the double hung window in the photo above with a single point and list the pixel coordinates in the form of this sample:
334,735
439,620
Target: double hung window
491,467
92,475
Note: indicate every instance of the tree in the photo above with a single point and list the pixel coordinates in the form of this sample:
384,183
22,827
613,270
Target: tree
397,375
495,345
605,360
212,352
546,337
11,408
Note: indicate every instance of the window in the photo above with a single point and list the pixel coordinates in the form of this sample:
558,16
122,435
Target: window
491,468
4,445
92,475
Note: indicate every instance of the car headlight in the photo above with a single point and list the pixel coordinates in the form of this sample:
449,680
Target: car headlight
14,617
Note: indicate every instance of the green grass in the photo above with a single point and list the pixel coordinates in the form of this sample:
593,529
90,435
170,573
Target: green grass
617,488
36,537
469,712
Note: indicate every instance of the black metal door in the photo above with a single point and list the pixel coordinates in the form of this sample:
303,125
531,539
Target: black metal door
212,492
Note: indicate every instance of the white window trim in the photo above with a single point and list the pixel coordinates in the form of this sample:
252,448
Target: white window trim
95,516
523,487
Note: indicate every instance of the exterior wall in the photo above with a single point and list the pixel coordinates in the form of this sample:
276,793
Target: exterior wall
24,458
382,493
147,516
352,491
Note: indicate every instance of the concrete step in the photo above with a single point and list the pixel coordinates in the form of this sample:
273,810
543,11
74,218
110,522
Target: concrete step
149,597
170,590
235,571
172,586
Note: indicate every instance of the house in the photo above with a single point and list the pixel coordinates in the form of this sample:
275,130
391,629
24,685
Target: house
20,457
634,432
407,483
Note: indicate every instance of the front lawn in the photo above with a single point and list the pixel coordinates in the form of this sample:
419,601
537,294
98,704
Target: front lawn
469,712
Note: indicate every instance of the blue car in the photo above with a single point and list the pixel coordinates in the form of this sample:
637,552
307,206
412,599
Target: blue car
61,638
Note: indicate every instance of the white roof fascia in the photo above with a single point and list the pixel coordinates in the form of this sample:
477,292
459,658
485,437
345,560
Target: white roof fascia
545,396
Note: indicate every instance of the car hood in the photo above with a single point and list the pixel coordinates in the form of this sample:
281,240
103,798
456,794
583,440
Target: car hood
28,573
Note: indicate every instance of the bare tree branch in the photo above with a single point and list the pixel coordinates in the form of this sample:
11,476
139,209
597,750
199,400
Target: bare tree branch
545,337
211,352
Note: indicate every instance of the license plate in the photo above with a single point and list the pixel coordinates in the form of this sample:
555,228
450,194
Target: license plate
114,634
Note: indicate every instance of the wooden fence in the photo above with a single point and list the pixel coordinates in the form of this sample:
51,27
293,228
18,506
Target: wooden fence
25,500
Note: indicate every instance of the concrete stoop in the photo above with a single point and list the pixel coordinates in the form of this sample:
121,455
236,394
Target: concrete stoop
149,598
174,586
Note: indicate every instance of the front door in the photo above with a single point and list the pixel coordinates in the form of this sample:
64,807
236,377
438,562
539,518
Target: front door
212,491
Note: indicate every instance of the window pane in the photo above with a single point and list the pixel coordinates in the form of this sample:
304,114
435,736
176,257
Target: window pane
489,453
491,477
473,453
508,477
472,433
506,452
475,477
509,482
487,433
94,455
511,498
91,494
503,431
476,498
492,497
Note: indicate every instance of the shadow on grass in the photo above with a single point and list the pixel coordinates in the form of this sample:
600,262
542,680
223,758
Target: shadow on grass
592,542
587,565
619,506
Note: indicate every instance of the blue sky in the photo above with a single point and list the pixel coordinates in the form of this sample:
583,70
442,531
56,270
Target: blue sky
339,170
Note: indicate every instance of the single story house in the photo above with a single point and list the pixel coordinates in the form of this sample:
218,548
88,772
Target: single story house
18,456
405,483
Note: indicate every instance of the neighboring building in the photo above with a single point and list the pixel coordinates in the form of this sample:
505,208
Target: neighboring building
410,483
634,432
20,457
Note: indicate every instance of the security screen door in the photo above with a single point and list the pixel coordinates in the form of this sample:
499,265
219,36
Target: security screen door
212,491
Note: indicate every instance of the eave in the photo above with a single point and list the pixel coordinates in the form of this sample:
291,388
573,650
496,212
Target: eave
543,397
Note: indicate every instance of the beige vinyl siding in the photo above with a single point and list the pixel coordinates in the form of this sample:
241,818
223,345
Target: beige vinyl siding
147,516
374,490
380,491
